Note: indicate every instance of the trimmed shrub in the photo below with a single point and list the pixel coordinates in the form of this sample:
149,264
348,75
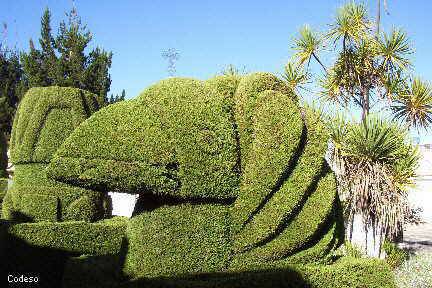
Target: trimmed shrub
395,256
346,273
175,240
75,237
3,189
34,197
174,139
278,129
306,227
234,185
41,249
45,118
245,98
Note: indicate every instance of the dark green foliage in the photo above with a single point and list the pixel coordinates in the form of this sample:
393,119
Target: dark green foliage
233,182
247,93
82,208
41,249
117,98
3,190
12,87
79,237
175,139
45,118
175,240
34,197
89,271
62,59
277,136
345,273
306,187
3,155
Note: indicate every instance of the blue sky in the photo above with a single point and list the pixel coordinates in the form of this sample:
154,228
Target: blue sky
208,34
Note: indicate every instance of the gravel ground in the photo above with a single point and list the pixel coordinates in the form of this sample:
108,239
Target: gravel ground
416,272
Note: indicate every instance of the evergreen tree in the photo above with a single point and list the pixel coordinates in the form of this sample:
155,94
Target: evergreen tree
62,60
117,98
12,87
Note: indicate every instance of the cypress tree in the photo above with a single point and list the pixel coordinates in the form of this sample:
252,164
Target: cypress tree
62,59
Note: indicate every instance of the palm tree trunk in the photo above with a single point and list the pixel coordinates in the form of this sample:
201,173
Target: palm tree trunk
366,104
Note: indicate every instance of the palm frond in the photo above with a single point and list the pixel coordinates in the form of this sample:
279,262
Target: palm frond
350,24
414,106
295,76
306,45
395,49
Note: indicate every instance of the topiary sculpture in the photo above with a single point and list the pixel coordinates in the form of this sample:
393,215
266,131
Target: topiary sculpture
234,190
45,118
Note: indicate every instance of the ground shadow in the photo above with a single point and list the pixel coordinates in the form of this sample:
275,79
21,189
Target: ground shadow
19,258
277,278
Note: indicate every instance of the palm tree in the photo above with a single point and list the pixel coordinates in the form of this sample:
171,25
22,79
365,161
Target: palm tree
414,104
375,166
373,159
366,69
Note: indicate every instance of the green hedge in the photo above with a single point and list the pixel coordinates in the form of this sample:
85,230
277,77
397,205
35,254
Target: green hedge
245,97
346,273
180,239
305,229
42,249
294,214
278,128
45,118
75,237
34,197
174,139
236,172
3,190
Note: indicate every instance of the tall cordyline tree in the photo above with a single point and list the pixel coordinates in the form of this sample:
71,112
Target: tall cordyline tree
369,68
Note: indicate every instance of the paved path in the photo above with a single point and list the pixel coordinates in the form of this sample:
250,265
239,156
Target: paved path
418,237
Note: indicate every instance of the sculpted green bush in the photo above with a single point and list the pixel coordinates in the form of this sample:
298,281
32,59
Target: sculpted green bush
3,190
45,118
180,239
175,139
234,189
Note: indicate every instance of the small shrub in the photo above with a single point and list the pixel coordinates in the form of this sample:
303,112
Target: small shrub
395,256
45,118
34,197
76,237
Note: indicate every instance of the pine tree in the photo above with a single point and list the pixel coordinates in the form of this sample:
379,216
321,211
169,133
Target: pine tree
117,98
62,60
12,87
